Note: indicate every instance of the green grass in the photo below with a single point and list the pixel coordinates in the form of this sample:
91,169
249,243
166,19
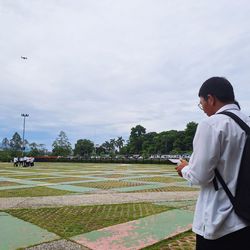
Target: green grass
155,172
28,176
61,179
162,179
74,220
114,176
183,241
70,221
33,192
8,183
108,184
167,189
65,172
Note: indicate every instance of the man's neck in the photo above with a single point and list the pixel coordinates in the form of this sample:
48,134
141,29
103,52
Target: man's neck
220,104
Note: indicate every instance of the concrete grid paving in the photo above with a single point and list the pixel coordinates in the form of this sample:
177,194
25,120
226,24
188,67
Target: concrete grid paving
29,181
41,177
137,234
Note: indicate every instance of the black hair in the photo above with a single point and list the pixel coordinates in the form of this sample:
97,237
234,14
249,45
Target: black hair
219,87
235,102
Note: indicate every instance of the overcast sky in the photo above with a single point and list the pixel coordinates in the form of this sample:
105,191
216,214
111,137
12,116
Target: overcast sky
96,68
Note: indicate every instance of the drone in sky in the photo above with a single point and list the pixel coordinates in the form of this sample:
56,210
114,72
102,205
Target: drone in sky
24,57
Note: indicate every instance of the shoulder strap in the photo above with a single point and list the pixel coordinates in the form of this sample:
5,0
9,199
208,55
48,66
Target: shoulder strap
242,124
246,128
223,184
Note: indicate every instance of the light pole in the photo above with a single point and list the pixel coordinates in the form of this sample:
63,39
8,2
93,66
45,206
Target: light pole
24,116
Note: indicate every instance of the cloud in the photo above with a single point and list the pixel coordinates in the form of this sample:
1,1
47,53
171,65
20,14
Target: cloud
95,69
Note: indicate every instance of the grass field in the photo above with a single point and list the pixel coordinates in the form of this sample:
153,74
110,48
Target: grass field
56,179
71,221
53,179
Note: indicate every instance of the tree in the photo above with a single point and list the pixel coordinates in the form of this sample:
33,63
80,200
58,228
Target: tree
5,143
16,142
165,141
100,150
6,155
136,139
149,145
83,147
112,143
189,133
179,144
61,146
37,149
108,146
119,143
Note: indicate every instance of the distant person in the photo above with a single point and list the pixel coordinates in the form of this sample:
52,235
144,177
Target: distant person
21,161
218,143
25,161
29,161
32,159
15,161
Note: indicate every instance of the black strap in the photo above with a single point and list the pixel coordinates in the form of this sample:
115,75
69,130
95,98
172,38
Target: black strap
216,187
242,124
246,128
224,185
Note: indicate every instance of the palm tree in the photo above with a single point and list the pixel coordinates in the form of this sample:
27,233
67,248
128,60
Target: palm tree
119,143
112,145
106,145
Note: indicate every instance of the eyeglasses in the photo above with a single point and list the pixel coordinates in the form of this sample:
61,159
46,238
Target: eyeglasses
200,106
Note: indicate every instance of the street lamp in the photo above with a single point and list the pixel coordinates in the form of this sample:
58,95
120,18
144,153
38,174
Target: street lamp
24,116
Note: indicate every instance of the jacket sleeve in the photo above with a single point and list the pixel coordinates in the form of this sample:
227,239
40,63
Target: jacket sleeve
205,157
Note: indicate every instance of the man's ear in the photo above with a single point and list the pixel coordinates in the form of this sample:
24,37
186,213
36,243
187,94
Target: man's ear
211,100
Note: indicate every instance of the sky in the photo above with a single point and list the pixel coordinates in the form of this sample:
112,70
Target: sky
97,68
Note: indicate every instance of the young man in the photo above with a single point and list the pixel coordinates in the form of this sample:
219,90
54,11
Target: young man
218,143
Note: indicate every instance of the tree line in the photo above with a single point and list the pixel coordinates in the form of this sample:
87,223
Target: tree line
139,143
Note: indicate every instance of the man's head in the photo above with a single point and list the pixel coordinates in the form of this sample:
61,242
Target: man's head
215,93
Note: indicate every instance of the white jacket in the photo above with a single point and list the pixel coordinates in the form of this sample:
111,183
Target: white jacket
218,143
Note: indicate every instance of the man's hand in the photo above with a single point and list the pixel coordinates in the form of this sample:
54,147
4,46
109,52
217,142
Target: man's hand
180,166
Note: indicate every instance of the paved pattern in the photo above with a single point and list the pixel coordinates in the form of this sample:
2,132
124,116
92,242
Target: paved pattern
90,181
92,184
139,233
92,199
58,245
16,233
